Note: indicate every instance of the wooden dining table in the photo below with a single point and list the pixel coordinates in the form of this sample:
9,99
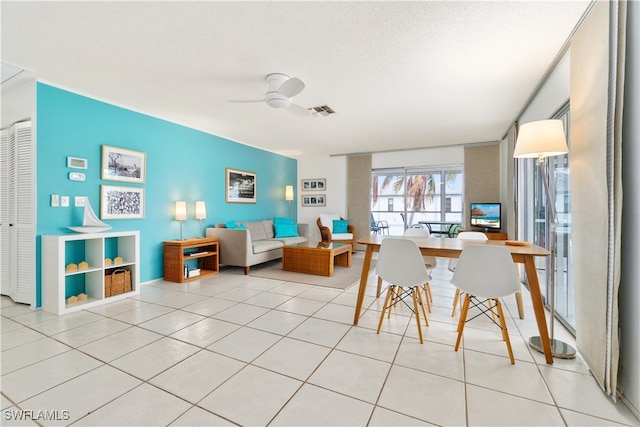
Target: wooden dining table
522,253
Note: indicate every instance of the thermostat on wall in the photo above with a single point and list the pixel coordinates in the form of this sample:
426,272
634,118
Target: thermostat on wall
76,176
76,163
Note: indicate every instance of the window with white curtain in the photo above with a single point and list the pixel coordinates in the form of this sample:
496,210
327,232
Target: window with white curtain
405,196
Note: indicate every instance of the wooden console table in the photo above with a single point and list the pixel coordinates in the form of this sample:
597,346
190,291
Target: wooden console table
177,253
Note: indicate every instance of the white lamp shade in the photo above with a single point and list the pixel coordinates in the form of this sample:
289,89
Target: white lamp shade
201,210
288,193
543,138
181,211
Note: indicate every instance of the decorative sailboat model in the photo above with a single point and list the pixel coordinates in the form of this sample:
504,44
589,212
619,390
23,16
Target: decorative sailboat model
90,222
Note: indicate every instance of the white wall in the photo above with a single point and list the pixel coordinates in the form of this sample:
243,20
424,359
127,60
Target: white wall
18,101
334,169
442,156
553,94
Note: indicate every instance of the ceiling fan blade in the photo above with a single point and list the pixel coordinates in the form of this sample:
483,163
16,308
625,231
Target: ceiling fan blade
291,87
245,101
298,110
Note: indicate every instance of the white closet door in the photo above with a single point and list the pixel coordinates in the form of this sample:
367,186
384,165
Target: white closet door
25,214
5,257
19,208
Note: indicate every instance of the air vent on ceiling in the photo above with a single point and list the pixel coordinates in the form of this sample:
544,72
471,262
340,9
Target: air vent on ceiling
323,110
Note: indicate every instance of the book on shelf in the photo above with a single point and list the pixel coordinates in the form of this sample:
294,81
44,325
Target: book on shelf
194,272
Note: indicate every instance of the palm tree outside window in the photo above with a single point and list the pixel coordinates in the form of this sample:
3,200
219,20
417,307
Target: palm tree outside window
405,196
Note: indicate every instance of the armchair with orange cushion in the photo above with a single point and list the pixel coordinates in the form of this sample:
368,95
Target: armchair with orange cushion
339,231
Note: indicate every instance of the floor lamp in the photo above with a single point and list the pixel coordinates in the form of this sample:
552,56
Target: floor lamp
288,196
542,139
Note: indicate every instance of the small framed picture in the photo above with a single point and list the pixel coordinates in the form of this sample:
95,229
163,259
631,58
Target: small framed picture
242,186
316,184
120,164
313,200
118,202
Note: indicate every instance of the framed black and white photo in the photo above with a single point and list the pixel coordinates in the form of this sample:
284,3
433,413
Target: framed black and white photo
118,202
120,164
313,200
316,184
242,186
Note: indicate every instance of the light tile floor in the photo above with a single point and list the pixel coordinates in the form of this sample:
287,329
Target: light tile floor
240,350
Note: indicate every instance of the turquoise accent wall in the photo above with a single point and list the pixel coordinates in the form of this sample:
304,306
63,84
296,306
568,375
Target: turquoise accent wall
181,164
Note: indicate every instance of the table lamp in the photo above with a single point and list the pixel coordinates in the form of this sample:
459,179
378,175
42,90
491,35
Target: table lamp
542,139
288,196
201,213
181,214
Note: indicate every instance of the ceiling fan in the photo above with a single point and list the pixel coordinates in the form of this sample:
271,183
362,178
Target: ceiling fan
281,89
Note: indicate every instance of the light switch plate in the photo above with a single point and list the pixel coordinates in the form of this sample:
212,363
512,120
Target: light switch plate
76,176
64,201
55,200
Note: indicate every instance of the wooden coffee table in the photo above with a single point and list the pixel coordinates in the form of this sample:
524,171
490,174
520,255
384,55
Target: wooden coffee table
317,258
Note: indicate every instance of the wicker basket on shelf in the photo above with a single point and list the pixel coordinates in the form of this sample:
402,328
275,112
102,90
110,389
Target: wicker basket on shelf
117,282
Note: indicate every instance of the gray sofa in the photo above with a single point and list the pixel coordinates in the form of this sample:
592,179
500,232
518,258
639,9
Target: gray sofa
254,245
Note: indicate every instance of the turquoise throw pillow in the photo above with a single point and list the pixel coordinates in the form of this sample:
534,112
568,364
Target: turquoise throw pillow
280,220
340,226
286,230
231,224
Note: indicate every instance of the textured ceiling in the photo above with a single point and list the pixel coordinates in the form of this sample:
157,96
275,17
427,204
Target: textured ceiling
398,74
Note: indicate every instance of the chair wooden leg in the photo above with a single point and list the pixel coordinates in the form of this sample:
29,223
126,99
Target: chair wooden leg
415,309
427,295
463,319
455,302
520,304
379,290
426,318
395,297
384,308
505,332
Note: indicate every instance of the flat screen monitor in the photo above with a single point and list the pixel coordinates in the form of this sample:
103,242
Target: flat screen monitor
486,215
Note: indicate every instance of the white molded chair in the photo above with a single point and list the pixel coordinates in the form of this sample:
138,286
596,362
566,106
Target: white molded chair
465,235
400,263
486,274
429,261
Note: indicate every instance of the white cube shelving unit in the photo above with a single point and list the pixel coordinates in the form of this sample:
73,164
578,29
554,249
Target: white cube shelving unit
60,250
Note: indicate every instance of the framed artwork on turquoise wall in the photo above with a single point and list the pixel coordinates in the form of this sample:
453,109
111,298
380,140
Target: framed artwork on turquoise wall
120,164
242,186
118,202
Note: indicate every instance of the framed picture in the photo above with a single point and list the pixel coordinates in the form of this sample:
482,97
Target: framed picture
120,164
121,202
316,184
314,200
242,186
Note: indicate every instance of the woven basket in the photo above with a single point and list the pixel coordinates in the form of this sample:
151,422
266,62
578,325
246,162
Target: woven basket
118,282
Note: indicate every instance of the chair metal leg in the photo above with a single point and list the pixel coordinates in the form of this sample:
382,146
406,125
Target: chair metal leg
463,319
505,332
